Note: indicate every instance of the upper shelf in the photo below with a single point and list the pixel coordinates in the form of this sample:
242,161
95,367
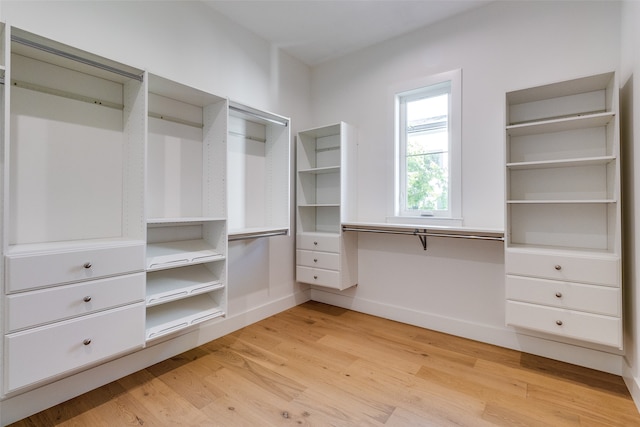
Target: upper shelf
545,164
561,124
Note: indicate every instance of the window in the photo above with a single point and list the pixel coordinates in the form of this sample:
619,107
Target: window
428,149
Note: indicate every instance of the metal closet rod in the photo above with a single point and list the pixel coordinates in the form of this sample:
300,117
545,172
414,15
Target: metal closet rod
76,58
258,116
423,234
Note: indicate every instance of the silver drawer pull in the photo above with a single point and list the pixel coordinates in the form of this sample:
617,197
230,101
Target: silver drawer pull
315,260
315,277
86,299
87,265
558,267
558,294
559,322
315,243
86,341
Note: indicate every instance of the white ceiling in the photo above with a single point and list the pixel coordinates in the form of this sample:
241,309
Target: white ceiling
315,31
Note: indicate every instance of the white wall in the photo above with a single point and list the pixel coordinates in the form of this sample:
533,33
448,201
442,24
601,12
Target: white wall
458,286
630,140
190,43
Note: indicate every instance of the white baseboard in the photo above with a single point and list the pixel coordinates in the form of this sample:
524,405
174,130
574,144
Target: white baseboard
633,384
594,358
20,406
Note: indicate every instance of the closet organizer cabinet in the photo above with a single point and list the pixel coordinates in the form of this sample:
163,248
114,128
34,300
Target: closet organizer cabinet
259,173
563,242
73,223
186,208
326,197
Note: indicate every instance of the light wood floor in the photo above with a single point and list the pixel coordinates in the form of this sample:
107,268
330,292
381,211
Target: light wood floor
317,365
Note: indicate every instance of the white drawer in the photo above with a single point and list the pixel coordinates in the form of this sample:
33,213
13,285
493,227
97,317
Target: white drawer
34,308
573,296
318,276
326,260
572,324
43,353
319,242
29,271
585,269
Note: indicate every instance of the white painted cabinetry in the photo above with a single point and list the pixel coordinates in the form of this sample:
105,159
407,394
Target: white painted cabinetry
186,208
73,222
326,197
563,214
259,173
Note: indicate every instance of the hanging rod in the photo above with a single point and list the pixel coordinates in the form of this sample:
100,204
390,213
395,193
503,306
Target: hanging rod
424,233
259,116
76,58
257,234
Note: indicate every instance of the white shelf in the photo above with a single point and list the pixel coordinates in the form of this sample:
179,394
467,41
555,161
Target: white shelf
551,201
565,163
320,205
180,253
168,285
181,221
318,171
561,124
177,315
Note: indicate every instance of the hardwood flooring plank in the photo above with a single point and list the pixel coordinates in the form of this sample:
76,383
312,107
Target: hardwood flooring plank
318,365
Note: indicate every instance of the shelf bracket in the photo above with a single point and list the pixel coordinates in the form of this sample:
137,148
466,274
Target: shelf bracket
422,235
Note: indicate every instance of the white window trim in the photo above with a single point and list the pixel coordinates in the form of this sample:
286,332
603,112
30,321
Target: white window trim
455,154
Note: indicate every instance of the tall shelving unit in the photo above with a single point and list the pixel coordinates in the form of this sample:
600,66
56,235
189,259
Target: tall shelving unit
259,173
73,221
326,197
186,216
563,240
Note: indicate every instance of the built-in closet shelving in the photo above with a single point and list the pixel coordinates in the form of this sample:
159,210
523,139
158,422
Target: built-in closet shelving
259,160
326,197
73,222
563,242
186,207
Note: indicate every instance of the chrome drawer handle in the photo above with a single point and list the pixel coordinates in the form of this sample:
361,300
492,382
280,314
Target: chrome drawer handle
86,341
559,322
558,267
315,260
558,294
315,243
315,277
86,299
87,265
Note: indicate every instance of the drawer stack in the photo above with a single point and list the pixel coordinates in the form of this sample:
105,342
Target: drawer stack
318,259
573,296
67,309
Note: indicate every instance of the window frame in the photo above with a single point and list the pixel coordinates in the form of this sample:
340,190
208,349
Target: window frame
416,90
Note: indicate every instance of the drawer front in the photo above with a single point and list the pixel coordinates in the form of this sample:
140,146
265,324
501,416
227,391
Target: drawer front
319,242
317,276
46,269
572,324
325,260
600,271
28,309
42,353
573,296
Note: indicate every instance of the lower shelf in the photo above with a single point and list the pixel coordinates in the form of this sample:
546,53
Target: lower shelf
168,285
171,317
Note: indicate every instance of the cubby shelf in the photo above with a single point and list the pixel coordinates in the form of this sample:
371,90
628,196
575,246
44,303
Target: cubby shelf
174,316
